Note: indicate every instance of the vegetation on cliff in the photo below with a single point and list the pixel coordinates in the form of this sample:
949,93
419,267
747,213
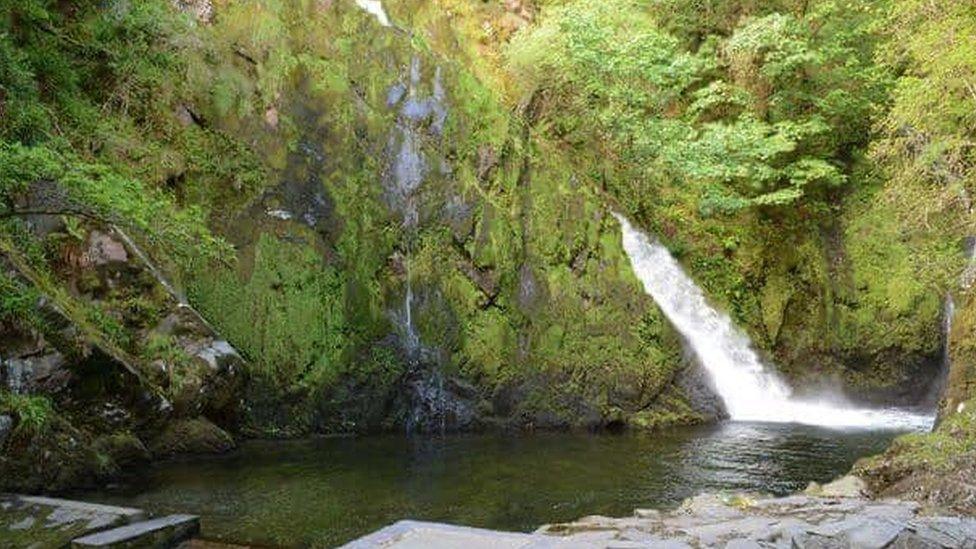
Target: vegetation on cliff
409,226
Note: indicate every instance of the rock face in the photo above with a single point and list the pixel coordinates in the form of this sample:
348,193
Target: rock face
416,261
104,363
6,424
694,380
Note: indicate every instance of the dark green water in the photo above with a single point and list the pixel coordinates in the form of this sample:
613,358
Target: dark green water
324,492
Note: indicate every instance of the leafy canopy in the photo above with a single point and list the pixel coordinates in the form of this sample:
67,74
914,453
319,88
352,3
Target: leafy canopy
764,117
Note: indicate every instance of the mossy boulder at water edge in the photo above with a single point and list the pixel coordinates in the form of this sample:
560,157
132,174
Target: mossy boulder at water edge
191,436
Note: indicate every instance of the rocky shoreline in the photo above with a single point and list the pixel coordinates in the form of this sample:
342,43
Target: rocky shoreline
836,515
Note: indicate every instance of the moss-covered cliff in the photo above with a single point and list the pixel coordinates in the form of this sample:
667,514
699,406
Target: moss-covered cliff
402,220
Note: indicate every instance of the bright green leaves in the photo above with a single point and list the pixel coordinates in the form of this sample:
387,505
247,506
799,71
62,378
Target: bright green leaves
34,413
181,233
753,163
604,59
755,119
936,41
770,51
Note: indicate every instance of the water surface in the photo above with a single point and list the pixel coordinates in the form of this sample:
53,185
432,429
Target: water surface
323,492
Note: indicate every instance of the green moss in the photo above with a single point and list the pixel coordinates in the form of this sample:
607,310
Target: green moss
37,534
191,436
287,315
926,466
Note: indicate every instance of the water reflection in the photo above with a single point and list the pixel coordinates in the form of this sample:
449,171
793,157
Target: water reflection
326,491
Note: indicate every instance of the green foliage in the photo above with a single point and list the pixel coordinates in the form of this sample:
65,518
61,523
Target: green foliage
762,118
34,413
18,302
97,188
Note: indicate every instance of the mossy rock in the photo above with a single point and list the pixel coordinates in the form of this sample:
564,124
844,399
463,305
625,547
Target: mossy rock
57,457
192,436
124,449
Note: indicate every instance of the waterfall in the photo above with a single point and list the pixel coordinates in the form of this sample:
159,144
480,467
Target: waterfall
375,8
750,391
411,340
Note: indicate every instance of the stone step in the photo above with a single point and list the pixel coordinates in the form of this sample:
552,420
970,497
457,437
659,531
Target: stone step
162,532
57,521
125,514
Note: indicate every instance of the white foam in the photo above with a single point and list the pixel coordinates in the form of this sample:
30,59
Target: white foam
750,391
375,8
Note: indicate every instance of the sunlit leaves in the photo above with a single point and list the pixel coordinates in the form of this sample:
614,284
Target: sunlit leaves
757,118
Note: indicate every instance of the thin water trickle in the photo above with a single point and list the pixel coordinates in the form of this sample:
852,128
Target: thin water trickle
750,391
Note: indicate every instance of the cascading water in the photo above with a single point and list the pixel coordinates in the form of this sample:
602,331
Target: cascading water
749,390
375,8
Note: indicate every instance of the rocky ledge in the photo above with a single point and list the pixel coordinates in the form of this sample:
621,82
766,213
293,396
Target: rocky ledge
831,516
794,521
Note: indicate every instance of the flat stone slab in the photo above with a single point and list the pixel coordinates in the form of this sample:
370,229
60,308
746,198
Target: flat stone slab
412,534
128,514
162,532
27,521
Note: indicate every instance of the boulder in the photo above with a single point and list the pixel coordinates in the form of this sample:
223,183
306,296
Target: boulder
192,436
105,250
29,374
848,486
123,448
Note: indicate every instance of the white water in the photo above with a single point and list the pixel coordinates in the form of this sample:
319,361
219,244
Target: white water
749,390
375,8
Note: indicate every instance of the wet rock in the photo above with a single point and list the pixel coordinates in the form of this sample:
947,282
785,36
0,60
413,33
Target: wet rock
395,94
103,250
700,390
440,404
210,385
528,288
219,355
45,372
6,425
192,436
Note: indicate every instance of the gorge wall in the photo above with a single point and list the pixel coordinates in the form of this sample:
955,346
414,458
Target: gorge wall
400,220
